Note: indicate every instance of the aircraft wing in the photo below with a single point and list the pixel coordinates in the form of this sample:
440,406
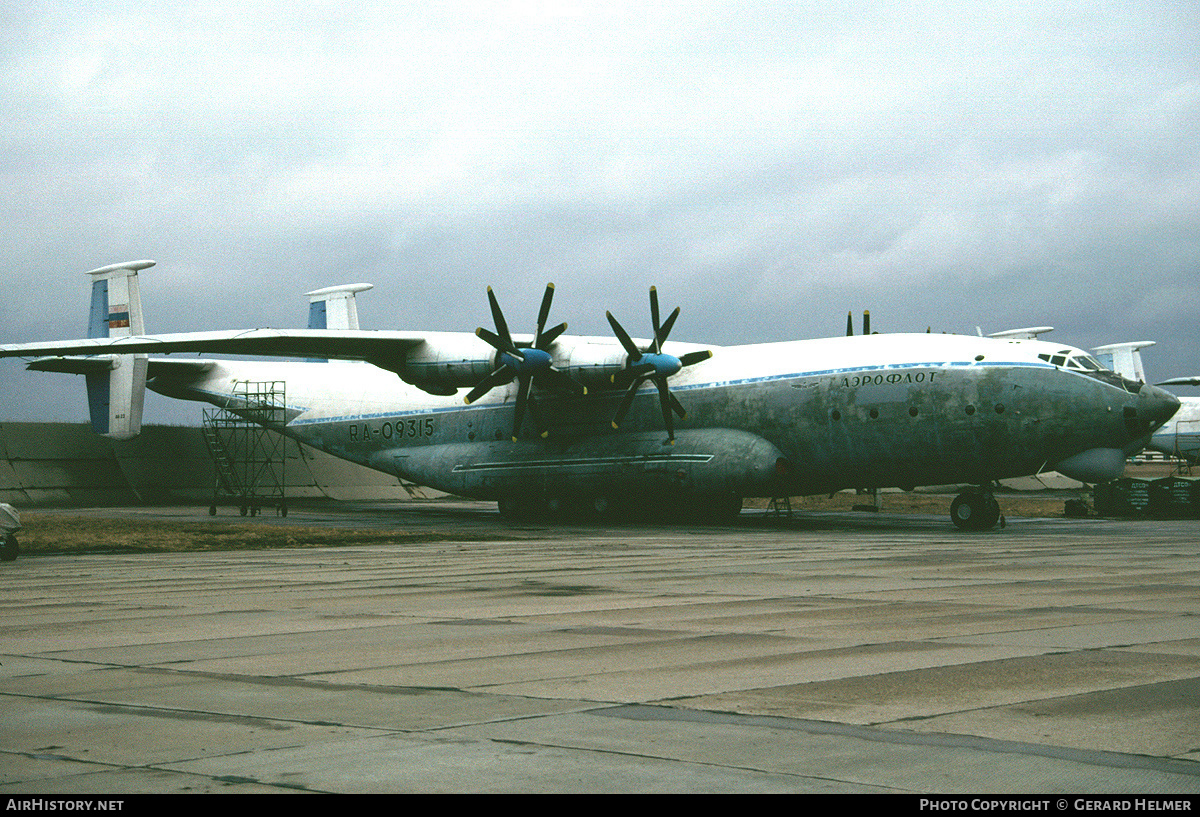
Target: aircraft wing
373,346
1181,381
101,364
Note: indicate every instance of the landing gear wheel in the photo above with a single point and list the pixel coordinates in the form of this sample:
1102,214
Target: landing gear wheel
517,509
974,510
9,549
712,509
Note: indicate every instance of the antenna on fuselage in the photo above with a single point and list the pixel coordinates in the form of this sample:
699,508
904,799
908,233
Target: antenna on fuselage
866,323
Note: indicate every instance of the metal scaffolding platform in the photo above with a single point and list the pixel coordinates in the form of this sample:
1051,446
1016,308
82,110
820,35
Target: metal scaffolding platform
248,457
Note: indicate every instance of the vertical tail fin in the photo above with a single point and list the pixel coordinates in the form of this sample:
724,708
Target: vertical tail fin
334,307
1124,358
116,397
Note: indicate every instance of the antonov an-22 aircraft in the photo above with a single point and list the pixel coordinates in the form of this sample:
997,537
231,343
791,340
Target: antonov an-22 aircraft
552,420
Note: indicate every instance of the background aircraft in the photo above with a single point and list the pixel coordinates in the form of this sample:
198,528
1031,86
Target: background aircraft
551,420
1180,435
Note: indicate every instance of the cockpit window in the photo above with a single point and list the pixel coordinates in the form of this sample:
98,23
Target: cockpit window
1079,362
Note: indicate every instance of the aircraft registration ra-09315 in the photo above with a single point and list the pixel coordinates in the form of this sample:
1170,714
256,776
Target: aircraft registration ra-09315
550,420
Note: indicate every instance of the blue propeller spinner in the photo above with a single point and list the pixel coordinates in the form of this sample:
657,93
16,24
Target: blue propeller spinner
525,363
653,365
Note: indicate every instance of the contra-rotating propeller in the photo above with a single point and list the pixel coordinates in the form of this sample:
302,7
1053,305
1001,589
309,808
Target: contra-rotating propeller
524,363
651,364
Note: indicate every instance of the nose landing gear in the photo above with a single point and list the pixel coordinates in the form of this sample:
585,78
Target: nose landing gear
975,509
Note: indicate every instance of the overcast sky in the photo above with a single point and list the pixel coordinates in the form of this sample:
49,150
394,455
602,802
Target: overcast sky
769,166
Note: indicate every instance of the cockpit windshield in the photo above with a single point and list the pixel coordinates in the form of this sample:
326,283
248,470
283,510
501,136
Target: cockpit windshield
1074,360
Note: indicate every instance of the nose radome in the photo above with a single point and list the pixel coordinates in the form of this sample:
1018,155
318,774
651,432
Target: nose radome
1156,406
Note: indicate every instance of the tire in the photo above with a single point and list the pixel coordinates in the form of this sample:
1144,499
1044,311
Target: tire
9,549
712,510
974,510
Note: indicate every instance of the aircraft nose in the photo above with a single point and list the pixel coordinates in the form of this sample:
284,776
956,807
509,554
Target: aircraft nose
1155,406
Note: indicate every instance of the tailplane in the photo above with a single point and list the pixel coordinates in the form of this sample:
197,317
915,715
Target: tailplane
116,394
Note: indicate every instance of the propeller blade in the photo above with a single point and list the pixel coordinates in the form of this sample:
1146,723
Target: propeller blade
849,324
497,378
664,399
498,317
543,314
676,405
660,335
654,319
497,343
623,336
691,358
551,335
524,386
632,373
563,381
626,402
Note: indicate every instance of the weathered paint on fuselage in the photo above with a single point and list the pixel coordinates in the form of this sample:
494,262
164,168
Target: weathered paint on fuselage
799,417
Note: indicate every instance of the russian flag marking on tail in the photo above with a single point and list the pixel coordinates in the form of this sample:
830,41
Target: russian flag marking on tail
118,316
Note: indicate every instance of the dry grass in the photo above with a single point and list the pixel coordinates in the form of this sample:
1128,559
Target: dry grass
55,533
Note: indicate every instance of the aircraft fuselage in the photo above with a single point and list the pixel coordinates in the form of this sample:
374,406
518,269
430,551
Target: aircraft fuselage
793,418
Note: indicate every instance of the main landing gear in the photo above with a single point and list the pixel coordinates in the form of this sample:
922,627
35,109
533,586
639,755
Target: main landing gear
975,509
